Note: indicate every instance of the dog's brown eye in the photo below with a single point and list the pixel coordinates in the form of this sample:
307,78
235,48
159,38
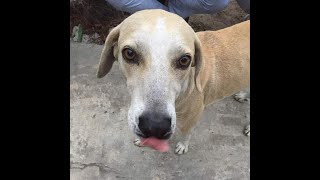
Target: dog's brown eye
128,54
184,61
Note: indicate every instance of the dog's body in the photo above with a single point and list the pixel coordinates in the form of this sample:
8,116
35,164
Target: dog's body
226,62
170,94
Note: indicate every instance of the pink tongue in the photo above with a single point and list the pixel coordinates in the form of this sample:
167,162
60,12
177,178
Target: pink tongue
157,144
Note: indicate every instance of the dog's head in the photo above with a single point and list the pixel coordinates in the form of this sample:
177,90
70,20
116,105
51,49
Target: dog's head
160,56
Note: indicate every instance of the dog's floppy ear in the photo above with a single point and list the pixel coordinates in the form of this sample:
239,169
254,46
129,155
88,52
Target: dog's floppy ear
198,62
107,58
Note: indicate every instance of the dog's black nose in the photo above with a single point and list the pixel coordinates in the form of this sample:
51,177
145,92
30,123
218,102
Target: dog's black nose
157,125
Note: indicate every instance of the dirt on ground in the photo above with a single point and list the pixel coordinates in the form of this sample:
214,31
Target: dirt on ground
97,16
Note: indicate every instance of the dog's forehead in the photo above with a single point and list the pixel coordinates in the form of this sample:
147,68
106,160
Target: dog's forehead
158,33
156,26
151,17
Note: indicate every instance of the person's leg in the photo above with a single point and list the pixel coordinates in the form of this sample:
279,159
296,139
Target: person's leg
245,5
185,8
132,6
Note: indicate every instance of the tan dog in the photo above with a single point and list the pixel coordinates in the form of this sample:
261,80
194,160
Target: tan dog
173,73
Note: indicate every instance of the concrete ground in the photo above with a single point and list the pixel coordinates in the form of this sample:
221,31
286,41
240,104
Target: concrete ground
101,144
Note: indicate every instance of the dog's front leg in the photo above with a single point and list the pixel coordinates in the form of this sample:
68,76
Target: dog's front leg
186,127
137,142
183,145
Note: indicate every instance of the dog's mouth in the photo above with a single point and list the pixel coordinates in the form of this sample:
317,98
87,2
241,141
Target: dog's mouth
161,145
140,134
166,136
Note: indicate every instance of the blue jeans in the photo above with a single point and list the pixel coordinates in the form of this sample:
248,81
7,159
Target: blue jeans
245,5
183,8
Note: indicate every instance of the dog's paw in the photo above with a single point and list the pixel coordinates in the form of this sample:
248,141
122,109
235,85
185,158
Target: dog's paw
181,148
137,142
241,97
247,130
